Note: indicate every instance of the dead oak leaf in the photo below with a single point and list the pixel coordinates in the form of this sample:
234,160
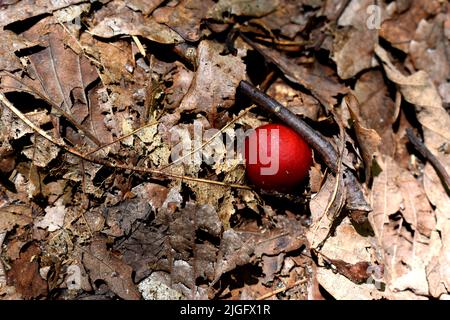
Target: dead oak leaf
353,45
398,29
13,215
125,25
103,265
428,50
325,206
24,274
404,226
348,252
419,90
61,74
368,139
214,85
314,78
417,210
185,18
353,51
23,10
10,44
376,108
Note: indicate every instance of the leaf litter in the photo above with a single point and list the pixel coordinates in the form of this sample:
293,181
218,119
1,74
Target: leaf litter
94,99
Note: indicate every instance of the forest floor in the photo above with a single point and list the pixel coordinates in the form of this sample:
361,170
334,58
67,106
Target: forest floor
118,172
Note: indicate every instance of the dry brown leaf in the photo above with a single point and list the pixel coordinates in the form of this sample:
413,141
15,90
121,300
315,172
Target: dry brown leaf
31,8
215,82
145,6
62,75
41,151
248,8
398,29
13,215
353,51
368,139
276,21
116,59
24,274
13,128
404,225
185,18
416,209
122,217
234,251
133,24
428,50
325,207
376,109
349,246
7,158
354,44
386,198
103,265
314,78
295,100
8,59
419,90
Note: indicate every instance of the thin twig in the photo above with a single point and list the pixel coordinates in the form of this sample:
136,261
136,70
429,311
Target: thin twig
111,164
272,293
426,153
139,45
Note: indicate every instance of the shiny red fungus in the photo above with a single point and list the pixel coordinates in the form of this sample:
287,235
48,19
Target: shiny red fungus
276,157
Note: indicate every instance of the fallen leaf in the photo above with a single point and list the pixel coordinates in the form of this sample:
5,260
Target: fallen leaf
185,18
31,8
41,152
54,217
325,207
351,250
407,239
24,274
103,265
295,100
376,109
9,61
214,85
134,24
397,28
13,215
324,88
233,252
368,139
145,6
428,49
63,76
225,8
